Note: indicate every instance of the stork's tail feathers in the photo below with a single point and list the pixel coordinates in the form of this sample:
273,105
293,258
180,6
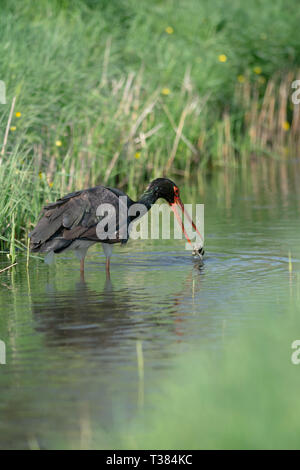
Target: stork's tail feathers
55,244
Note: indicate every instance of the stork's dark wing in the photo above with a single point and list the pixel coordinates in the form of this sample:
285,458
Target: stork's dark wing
72,217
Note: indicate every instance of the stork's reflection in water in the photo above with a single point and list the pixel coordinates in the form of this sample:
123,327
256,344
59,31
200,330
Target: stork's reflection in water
90,332
108,316
83,316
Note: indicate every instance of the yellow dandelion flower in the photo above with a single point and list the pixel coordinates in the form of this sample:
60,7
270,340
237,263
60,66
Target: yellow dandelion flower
222,58
257,70
58,143
138,154
18,114
13,128
40,175
286,125
165,91
241,78
50,184
169,30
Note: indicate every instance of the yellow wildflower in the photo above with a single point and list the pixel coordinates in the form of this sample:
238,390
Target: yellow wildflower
58,143
169,30
286,125
40,175
18,114
222,58
13,128
241,78
50,184
257,70
138,154
165,91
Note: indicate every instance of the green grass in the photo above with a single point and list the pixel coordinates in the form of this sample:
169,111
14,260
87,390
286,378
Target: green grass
90,76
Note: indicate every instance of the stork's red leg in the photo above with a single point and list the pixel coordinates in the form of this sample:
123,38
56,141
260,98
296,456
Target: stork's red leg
82,268
107,267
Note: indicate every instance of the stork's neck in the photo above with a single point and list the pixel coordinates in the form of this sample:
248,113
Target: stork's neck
148,198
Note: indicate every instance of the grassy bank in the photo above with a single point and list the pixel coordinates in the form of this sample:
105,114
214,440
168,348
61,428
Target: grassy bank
120,92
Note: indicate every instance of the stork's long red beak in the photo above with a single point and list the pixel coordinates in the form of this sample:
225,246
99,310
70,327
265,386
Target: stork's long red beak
178,202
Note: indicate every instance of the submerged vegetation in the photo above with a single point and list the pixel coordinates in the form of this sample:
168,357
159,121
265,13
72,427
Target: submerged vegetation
121,92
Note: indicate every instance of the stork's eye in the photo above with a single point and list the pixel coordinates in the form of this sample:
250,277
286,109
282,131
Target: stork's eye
176,191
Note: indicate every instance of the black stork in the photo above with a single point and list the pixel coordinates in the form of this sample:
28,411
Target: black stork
71,222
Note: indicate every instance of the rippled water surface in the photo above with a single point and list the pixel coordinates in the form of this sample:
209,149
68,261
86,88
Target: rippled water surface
72,345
